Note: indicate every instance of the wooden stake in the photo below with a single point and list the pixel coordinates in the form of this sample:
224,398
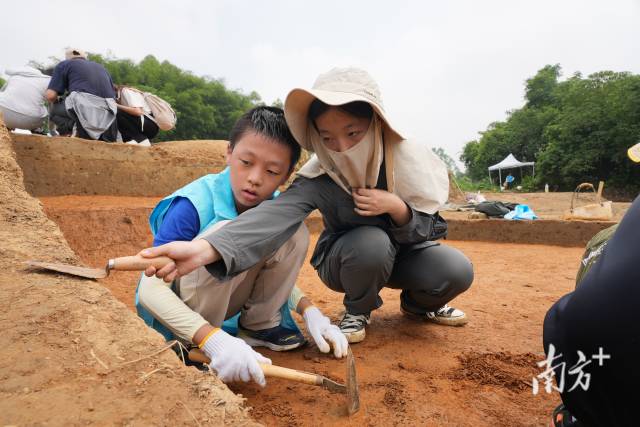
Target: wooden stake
599,194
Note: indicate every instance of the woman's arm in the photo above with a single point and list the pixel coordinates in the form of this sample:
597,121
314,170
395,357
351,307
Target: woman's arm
420,228
408,226
260,231
134,111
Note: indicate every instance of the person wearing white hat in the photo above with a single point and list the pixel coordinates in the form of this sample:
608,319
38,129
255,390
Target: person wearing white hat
379,195
90,102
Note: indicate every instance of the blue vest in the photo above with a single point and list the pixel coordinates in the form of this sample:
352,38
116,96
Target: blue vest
212,197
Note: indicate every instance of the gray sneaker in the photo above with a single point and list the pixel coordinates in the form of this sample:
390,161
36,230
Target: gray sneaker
353,326
446,315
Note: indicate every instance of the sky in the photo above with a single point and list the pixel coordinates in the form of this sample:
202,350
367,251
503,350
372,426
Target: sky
446,69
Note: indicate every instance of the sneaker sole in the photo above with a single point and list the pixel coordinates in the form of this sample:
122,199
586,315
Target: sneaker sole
355,337
253,342
458,321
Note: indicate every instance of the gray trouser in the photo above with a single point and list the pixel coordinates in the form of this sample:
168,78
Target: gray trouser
15,120
257,293
59,116
364,260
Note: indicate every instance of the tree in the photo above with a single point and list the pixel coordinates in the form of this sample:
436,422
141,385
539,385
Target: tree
448,161
539,89
577,131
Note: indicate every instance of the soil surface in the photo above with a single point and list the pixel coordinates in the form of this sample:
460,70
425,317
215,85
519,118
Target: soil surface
410,373
546,205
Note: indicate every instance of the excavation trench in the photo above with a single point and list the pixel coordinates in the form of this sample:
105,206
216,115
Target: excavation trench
409,373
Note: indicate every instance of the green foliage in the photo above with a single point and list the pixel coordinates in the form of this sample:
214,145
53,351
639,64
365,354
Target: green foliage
2,82
466,184
448,161
529,184
576,131
205,108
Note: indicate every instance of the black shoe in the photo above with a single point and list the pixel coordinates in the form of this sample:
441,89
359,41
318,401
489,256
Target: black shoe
277,338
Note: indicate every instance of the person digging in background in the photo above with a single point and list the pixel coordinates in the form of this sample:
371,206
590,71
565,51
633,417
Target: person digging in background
257,301
380,226
599,320
135,120
90,102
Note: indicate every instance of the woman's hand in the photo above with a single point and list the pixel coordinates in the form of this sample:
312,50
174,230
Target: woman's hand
186,256
372,202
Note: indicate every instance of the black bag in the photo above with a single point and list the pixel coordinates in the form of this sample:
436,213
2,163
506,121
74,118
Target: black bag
492,209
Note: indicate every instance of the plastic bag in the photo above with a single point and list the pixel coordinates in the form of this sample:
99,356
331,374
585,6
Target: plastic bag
521,212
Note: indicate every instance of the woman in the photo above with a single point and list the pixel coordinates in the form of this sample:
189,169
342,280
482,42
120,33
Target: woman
135,121
379,196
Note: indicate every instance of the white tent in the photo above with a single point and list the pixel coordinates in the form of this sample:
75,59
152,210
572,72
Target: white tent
509,162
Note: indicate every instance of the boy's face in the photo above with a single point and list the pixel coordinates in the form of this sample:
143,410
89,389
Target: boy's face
258,166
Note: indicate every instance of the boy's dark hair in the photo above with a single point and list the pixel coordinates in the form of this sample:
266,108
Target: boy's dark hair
360,109
269,122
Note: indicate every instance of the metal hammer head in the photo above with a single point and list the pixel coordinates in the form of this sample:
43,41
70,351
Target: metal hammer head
353,395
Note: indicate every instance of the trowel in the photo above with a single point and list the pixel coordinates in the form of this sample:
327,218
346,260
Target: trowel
350,388
127,263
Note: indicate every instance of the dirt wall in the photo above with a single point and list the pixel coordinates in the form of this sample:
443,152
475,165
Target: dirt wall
63,166
71,353
541,232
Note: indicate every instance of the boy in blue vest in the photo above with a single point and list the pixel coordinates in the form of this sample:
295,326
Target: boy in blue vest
255,304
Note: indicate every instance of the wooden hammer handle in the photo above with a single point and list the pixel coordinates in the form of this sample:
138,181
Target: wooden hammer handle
137,263
290,374
197,355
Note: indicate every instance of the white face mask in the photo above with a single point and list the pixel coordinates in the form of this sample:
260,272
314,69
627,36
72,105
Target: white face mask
357,167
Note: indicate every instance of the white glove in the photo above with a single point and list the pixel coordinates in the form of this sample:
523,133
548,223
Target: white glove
233,359
321,330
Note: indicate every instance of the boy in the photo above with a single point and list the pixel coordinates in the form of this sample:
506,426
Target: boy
261,156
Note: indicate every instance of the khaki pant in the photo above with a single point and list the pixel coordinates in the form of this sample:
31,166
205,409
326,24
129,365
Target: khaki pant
257,293
14,120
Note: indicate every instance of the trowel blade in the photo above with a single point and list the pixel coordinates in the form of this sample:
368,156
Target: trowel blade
90,273
353,394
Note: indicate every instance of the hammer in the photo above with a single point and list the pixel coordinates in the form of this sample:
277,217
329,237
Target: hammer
350,388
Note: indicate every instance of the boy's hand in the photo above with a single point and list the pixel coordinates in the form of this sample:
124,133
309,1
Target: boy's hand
373,202
187,256
321,330
233,359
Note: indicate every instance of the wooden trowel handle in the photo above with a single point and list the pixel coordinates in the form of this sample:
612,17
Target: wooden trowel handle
137,263
291,374
197,355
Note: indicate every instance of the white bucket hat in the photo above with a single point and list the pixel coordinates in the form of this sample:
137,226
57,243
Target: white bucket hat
336,87
413,171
